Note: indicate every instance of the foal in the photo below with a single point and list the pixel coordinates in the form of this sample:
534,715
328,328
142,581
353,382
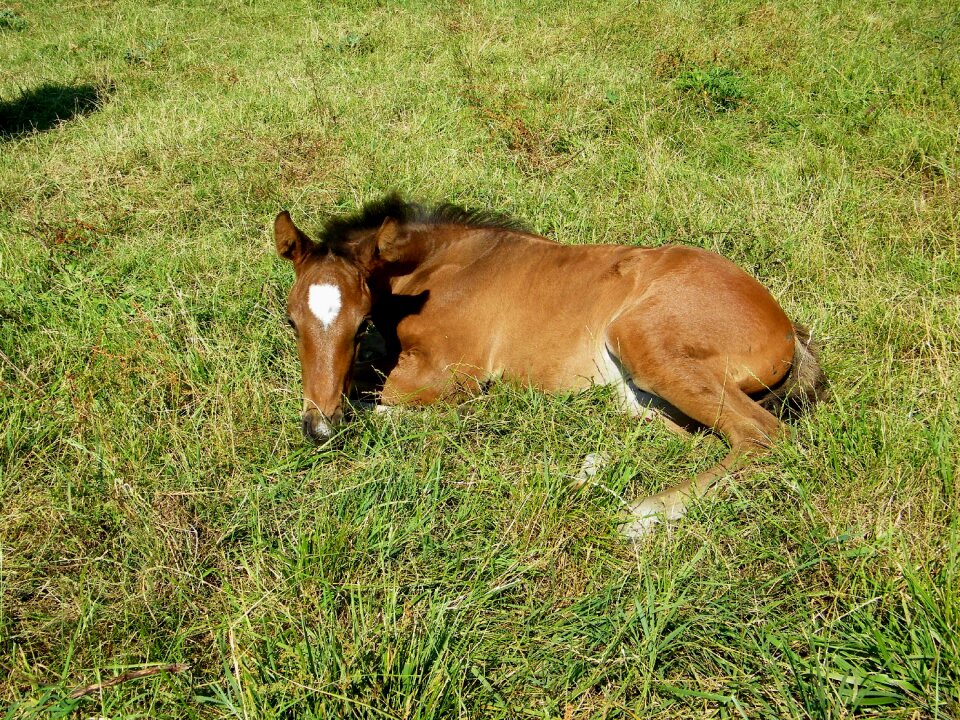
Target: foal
463,298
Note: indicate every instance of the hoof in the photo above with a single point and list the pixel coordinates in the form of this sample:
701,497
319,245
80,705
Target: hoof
650,512
592,464
640,528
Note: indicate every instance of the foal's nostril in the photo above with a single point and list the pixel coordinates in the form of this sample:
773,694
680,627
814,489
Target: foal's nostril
307,427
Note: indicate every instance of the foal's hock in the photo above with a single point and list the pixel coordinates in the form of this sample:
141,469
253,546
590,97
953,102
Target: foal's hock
462,298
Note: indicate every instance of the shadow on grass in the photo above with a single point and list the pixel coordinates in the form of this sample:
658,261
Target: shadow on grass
45,107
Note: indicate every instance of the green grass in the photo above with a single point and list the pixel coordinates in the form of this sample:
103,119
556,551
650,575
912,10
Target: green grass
157,503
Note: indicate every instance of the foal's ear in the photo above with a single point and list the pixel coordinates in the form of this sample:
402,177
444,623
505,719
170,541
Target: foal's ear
387,241
291,242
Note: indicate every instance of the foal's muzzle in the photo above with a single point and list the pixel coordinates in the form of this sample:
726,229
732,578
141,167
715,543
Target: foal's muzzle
319,428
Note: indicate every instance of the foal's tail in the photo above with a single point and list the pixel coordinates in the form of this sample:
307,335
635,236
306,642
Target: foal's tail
803,386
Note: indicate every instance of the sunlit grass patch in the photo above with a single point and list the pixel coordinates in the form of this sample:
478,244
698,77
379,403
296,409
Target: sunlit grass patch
719,88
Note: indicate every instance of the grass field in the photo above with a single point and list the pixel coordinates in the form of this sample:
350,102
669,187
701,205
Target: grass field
158,505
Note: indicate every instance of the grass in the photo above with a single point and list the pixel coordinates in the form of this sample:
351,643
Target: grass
157,504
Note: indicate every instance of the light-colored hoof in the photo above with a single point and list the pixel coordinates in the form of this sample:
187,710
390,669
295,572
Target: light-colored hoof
640,528
592,464
650,512
377,408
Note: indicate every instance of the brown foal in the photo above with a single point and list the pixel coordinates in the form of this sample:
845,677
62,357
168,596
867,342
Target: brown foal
463,298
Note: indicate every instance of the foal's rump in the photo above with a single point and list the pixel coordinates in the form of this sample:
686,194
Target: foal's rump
702,336
689,307
719,312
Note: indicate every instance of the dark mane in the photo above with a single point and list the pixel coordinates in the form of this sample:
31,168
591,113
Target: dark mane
339,232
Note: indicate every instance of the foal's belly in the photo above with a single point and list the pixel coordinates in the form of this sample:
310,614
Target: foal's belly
556,366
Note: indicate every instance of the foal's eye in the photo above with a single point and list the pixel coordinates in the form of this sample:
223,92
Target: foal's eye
291,323
364,326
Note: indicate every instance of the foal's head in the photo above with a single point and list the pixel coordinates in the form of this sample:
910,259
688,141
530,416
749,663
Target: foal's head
328,307
331,295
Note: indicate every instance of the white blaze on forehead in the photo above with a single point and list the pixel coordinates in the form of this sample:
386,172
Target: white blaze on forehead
324,302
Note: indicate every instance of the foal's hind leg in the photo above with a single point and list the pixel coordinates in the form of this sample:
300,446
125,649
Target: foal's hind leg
700,390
